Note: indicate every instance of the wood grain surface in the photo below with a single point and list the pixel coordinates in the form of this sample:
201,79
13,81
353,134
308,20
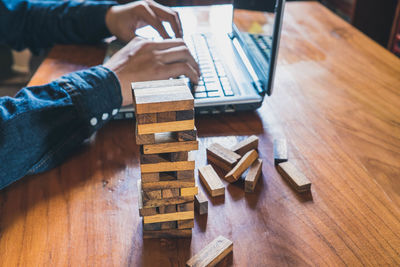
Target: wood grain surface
336,101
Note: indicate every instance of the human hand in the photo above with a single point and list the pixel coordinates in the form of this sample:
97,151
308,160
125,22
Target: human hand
123,20
144,60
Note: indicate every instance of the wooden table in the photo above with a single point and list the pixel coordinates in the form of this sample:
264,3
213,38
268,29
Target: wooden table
337,101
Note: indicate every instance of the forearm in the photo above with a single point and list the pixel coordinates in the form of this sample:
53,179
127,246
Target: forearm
42,125
38,25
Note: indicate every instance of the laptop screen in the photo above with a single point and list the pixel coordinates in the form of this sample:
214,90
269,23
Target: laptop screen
257,25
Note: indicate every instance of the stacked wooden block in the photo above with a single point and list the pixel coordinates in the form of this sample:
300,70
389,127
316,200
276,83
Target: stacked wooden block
166,134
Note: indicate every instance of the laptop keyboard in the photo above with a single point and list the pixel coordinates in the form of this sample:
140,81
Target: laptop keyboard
213,81
263,42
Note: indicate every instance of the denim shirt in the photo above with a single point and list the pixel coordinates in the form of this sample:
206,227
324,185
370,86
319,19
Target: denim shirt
42,125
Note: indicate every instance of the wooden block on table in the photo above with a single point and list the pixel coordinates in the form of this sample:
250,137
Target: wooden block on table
160,127
241,166
222,157
173,233
246,145
170,147
166,116
213,253
150,177
169,193
211,181
169,225
168,184
201,203
162,99
158,83
185,115
188,135
185,224
184,175
144,211
188,191
167,217
252,176
280,151
295,178
146,118
167,166
150,203
188,206
153,194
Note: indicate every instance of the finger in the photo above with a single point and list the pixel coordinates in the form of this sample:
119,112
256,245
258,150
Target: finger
166,44
177,69
169,15
151,18
179,54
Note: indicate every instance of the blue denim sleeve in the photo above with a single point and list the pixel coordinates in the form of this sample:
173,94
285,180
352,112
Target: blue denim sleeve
42,125
41,24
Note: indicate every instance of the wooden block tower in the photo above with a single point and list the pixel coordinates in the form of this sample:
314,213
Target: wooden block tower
166,133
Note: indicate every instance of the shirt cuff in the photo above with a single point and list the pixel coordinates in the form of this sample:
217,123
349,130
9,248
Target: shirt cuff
96,94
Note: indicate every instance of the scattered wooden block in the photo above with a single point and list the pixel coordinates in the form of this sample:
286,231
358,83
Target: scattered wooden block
189,135
173,233
144,211
185,224
161,99
170,147
166,217
185,115
184,175
151,203
212,254
252,176
211,181
201,203
167,166
169,193
146,118
280,151
168,184
241,166
295,178
188,206
188,191
166,116
246,145
222,157
160,127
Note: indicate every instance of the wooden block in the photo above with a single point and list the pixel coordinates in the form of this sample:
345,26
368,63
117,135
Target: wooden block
146,118
144,211
185,224
150,177
241,166
201,203
189,135
252,176
211,181
160,127
184,175
166,116
222,157
169,193
172,233
188,191
152,226
167,166
149,203
246,145
169,225
185,115
188,206
154,158
170,147
179,156
167,176
280,151
295,178
142,139
167,217
158,83
168,184
167,209
154,194
162,99
212,254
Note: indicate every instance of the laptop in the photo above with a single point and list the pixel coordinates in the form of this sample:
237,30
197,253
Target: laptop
237,61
